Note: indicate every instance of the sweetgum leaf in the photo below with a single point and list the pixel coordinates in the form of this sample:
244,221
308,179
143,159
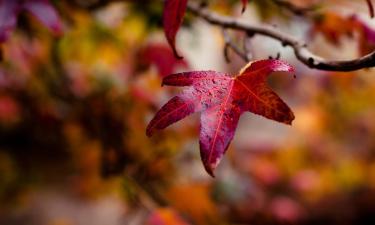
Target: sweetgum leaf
173,15
222,99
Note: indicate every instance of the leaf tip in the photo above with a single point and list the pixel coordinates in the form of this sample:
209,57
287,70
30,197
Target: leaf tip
244,4
176,55
290,119
210,167
173,16
149,131
210,170
164,81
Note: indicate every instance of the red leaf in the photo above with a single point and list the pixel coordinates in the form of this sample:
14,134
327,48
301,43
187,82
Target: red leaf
244,4
222,99
173,15
162,57
334,26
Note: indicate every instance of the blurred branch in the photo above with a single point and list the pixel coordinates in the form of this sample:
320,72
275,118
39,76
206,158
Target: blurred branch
300,48
301,51
247,47
94,4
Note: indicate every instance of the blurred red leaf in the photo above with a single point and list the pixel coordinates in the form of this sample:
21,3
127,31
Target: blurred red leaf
8,17
9,110
305,181
265,171
173,15
222,99
334,26
142,95
286,209
41,9
162,57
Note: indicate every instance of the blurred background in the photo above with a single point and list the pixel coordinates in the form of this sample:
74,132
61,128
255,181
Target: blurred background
74,108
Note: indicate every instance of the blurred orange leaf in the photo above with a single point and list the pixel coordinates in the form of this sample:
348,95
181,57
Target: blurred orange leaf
165,216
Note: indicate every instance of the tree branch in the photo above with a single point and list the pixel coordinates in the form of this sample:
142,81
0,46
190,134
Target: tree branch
300,48
229,44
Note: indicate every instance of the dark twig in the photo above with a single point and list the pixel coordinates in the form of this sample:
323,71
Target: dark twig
247,47
370,8
230,44
278,55
300,11
300,48
226,53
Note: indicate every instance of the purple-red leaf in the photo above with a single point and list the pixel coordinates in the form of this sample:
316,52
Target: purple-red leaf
8,17
45,13
174,110
173,15
41,9
222,99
